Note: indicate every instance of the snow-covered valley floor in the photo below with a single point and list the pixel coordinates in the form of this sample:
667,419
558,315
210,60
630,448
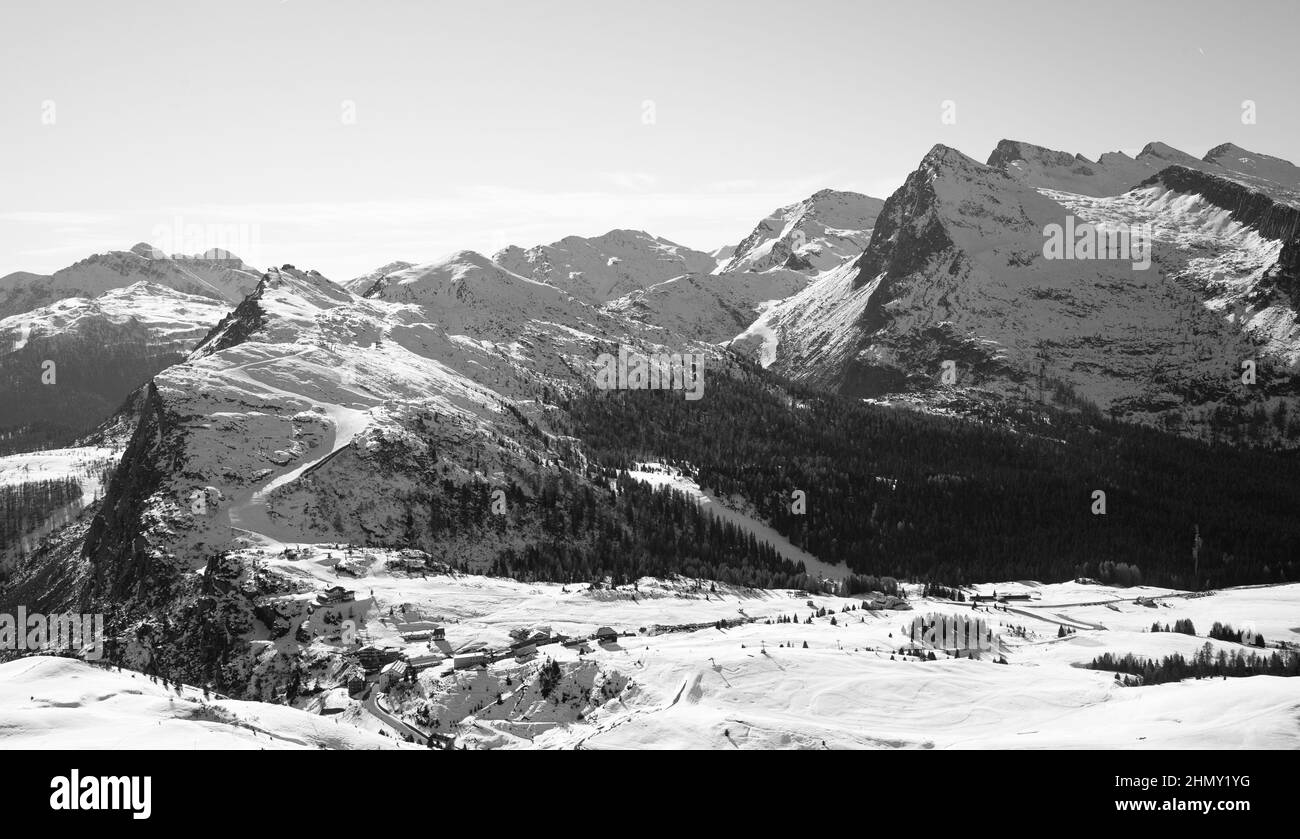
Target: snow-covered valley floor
664,684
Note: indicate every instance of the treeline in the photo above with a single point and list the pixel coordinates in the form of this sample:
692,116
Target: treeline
1225,632
1220,632
894,492
1204,665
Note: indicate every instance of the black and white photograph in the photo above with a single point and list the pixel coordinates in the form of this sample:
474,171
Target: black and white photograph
627,376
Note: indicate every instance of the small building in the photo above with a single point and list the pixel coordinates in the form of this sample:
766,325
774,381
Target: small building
335,594
442,741
525,652
373,658
606,635
423,662
420,631
465,661
392,673
356,683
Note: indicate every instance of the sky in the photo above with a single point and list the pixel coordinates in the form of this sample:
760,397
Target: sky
344,134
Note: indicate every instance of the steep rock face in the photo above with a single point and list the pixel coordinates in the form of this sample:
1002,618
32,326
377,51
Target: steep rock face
956,271
599,269
122,566
1273,218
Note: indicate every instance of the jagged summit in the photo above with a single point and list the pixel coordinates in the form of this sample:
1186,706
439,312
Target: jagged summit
943,156
807,237
956,269
1008,152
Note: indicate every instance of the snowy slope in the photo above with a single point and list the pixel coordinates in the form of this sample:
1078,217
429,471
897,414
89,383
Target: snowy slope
61,703
790,248
170,319
1262,166
708,307
674,679
601,268
216,275
362,284
1111,174
311,413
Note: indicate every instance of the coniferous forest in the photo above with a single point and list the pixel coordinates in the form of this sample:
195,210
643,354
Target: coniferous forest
901,493
97,367
1206,664
25,507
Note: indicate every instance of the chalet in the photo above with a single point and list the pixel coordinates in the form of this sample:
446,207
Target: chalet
420,630
525,652
465,661
372,658
335,594
423,662
606,635
535,641
392,673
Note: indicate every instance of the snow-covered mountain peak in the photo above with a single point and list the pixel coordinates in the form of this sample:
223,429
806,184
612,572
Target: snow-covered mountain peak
1165,153
807,237
599,269
218,275
1255,165
956,270
362,284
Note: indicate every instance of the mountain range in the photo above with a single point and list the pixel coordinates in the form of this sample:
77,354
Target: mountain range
449,408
